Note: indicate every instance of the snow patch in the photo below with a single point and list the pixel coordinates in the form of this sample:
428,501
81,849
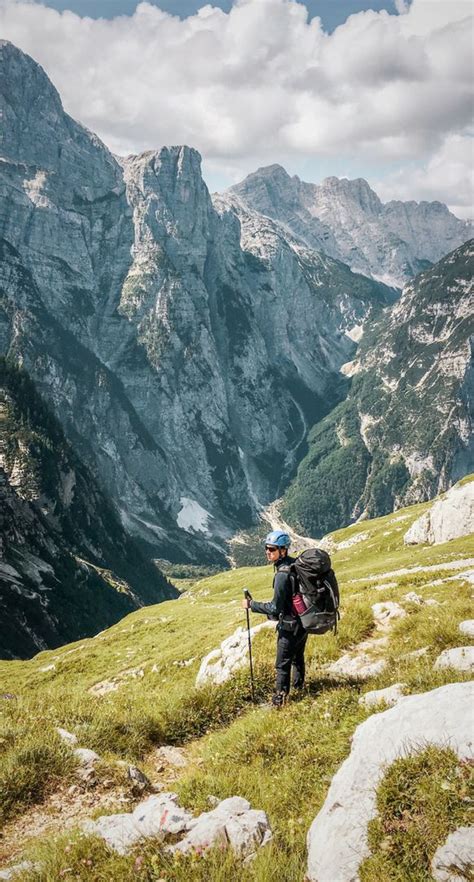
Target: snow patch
355,333
193,517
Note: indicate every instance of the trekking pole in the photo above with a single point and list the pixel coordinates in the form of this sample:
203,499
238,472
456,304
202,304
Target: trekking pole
248,596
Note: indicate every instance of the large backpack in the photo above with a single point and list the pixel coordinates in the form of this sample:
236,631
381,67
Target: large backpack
315,591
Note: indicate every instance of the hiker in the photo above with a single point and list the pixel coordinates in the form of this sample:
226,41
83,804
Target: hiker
291,636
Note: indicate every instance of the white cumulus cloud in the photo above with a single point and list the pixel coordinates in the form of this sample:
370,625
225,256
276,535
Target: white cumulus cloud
262,83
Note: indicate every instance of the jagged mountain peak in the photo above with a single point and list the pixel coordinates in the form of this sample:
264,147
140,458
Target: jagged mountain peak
60,153
356,190
347,219
275,171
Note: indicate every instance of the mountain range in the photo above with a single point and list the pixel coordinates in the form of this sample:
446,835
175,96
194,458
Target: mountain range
190,345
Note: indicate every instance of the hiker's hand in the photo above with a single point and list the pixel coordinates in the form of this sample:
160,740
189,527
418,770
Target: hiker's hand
246,603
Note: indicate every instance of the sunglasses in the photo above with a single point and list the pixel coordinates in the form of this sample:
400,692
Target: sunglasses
271,547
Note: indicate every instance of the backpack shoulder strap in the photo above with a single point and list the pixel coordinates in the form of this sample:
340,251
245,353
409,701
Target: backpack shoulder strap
290,569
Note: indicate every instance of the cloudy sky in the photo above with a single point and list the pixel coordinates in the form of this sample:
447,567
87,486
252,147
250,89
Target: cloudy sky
380,89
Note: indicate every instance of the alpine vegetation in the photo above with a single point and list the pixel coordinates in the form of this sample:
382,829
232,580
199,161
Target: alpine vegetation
142,767
404,432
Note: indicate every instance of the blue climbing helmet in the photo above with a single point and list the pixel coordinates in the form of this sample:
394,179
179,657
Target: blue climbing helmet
277,537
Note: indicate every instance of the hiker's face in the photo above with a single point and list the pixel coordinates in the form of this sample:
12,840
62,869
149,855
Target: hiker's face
273,553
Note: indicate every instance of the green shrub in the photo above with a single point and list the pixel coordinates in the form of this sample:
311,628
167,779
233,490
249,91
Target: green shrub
30,767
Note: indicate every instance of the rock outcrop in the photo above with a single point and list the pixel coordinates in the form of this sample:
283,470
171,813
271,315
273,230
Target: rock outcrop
233,654
390,696
337,840
231,824
448,518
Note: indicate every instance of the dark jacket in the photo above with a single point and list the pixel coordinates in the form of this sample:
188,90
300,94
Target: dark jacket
282,593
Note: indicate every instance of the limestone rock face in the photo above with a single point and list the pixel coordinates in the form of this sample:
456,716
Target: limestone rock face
347,220
187,345
160,330
448,518
337,840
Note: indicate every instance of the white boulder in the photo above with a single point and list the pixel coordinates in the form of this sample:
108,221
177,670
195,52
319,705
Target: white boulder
337,839
156,816
86,757
16,869
385,612
467,627
357,667
454,861
233,822
219,665
461,658
448,518
413,597
390,696
66,736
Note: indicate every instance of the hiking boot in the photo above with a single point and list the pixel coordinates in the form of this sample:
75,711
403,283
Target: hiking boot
279,699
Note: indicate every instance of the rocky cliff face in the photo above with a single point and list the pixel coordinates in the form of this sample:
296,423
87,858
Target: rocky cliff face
68,567
347,220
404,433
186,347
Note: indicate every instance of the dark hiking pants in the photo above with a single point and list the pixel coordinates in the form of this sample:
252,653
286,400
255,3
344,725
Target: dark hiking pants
290,659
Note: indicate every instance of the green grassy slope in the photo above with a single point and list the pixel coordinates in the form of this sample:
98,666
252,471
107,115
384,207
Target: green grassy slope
282,762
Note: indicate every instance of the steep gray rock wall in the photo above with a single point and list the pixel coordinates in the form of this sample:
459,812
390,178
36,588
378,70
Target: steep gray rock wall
68,568
347,220
185,348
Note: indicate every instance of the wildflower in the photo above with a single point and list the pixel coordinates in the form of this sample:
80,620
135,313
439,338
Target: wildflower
139,861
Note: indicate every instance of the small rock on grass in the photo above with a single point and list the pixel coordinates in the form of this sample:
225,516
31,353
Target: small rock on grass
66,736
87,760
390,696
13,871
385,612
138,779
168,755
157,816
359,667
467,627
454,861
461,658
232,822
85,756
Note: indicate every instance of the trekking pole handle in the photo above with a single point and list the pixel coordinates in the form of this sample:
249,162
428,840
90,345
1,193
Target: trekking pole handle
247,594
